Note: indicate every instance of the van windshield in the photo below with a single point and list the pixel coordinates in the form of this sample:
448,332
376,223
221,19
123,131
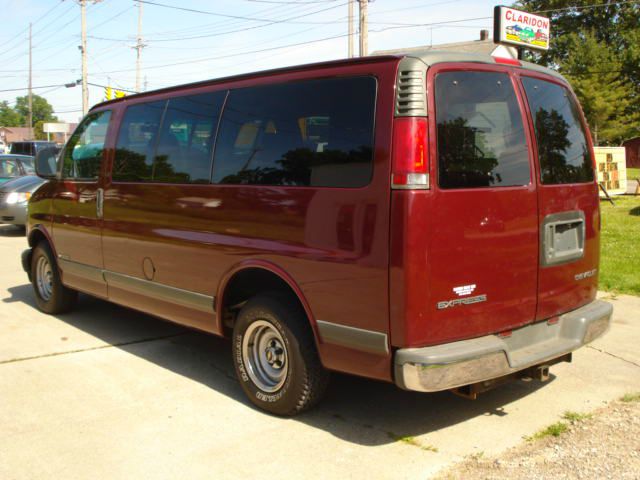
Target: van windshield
563,151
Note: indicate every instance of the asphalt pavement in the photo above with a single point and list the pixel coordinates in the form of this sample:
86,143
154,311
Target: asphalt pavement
108,392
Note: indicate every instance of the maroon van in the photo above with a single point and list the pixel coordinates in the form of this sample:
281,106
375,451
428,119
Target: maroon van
430,220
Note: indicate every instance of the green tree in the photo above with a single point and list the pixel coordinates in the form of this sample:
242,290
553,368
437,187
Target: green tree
38,131
607,97
42,109
9,117
598,50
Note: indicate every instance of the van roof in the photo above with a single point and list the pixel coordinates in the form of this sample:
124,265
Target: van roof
428,56
432,56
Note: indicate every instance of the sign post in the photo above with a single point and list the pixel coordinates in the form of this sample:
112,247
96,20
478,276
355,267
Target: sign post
520,29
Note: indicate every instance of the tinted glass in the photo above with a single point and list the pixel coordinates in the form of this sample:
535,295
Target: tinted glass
563,151
28,167
83,152
137,141
184,150
9,168
22,148
481,140
312,133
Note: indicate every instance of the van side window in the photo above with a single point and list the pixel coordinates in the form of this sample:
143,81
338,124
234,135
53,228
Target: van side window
83,152
563,150
184,151
481,138
310,133
137,141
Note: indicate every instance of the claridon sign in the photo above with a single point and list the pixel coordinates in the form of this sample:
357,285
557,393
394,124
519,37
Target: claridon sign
523,29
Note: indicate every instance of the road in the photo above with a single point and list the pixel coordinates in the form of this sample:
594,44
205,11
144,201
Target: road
107,392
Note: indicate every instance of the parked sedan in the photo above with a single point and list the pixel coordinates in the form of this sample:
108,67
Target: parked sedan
13,166
14,199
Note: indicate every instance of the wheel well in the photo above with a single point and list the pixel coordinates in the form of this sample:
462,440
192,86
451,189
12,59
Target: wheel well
246,284
36,237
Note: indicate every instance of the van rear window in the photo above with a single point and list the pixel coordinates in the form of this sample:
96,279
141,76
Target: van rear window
481,139
22,148
313,133
563,151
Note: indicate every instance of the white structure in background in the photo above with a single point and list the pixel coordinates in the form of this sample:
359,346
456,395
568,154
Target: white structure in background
63,128
612,169
485,45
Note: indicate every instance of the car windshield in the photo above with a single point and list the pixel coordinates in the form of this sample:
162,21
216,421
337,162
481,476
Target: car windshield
29,169
9,168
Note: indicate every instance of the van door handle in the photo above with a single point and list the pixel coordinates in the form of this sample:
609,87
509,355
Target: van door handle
99,203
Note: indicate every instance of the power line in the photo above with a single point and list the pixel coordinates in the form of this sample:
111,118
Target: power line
21,89
186,62
105,86
290,2
587,7
271,22
278,10
17,36
204,12
218,57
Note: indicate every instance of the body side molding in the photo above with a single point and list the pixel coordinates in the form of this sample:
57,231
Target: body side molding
80,270
351,337
177,296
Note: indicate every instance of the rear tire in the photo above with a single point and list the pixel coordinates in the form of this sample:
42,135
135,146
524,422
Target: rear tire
51,295
275,356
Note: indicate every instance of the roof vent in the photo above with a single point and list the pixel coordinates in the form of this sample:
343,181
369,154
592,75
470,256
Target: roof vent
410,93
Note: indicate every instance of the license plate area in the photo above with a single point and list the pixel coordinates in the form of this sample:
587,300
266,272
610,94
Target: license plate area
562,238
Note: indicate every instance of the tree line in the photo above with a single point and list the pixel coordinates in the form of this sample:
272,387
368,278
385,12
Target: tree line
598,50
18,115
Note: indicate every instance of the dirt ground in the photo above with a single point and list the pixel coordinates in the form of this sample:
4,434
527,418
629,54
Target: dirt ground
604,444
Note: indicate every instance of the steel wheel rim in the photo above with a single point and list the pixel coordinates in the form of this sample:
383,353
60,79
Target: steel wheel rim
44,278
265,356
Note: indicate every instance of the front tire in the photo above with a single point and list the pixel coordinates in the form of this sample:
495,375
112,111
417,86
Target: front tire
275,356
51,295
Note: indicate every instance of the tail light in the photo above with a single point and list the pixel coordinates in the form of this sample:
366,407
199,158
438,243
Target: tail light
410,156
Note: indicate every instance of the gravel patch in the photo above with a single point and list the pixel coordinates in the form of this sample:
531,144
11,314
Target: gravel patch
602,445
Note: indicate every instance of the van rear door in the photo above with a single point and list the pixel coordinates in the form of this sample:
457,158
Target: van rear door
567,196
482,271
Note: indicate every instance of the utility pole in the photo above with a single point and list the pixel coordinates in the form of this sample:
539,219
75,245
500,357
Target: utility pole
30,87
83,49
363,28
351,28
139,46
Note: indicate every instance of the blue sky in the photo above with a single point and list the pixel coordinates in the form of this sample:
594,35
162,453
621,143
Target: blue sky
185,46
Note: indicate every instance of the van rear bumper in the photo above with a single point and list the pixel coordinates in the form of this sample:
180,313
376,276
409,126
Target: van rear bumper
451,365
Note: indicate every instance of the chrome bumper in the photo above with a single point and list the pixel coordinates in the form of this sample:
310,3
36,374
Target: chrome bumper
451,365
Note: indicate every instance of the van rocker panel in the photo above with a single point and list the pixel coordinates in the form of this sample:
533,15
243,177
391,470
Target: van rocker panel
451,365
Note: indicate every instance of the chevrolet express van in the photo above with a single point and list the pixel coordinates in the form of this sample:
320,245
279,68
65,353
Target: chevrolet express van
430,220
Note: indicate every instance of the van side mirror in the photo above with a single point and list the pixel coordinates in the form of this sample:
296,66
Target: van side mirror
47,162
